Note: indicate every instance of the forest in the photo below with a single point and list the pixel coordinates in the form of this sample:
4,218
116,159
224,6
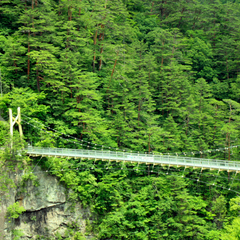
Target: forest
131,75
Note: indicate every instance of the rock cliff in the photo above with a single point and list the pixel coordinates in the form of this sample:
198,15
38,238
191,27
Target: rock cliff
48,213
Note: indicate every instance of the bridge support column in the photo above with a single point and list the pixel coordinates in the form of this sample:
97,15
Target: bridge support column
13,120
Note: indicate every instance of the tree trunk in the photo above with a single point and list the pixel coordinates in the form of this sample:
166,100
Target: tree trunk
15,65
59,12
94,56
187,125
101,38
152,6
179,23
28,69
139,108
33,17
149,145
115,63
162,58
38,80
228,139
162,9
227,67
70,19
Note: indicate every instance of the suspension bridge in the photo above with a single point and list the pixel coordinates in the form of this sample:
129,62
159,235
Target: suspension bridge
162,160
122,156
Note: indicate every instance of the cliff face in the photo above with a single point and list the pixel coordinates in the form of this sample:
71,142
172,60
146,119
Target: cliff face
48,213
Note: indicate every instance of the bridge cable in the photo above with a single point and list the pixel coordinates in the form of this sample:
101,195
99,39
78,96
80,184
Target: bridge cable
95,144
216,177
183,172
118,169
170,169
106,147
108,164
233,179
37,163
50,133
199,176
206,174
169,166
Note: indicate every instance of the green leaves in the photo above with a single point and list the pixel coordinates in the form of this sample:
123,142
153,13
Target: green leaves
151,76
15,210
232,231
119,73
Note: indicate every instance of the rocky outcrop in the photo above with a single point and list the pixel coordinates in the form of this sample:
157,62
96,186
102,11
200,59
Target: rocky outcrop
48,213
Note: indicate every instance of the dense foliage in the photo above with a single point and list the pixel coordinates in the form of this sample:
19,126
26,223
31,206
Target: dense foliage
152,76
144,75
146,202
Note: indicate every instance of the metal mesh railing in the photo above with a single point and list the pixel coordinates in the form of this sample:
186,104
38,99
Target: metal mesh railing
134,157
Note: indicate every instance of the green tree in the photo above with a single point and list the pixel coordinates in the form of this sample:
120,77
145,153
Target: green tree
232,231
220,210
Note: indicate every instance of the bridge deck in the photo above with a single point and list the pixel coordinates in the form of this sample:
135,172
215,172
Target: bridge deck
139,158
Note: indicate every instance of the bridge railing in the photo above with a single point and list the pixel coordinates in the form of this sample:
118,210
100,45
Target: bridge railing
135,157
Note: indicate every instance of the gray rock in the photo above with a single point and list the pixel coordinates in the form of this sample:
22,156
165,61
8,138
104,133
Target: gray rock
47,210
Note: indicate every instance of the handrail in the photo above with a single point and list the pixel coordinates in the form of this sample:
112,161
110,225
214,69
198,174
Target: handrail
135,157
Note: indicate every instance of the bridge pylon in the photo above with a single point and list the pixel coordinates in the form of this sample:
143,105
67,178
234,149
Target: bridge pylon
13,120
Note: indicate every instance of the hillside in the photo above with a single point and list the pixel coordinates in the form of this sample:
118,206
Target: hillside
130,75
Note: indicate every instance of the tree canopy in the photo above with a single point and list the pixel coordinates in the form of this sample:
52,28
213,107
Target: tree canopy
138,75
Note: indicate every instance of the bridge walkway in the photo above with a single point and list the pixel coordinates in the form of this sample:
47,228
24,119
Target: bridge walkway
212,164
